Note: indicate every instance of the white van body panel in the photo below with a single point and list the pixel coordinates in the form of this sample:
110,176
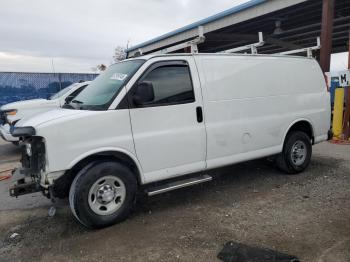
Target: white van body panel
249,103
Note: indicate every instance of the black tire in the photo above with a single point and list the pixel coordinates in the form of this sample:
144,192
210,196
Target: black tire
285,161
84,181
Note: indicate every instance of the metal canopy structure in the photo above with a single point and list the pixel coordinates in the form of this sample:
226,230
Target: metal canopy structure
286,25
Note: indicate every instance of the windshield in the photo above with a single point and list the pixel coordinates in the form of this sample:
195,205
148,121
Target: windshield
62,92
102,91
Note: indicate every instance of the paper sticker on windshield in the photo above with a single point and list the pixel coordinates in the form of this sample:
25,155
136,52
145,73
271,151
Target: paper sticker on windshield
118,76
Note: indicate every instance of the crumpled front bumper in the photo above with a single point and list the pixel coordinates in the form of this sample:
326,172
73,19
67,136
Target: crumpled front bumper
24,184
6,135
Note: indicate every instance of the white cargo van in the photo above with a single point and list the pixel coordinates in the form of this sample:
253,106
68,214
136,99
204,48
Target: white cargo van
157,123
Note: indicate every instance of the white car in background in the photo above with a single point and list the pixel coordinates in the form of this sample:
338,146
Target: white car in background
11,113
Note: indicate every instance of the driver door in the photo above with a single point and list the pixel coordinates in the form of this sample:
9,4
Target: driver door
169,132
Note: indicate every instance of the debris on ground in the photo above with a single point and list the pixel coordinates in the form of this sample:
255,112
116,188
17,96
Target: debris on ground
5,174
4,177
236,252
14,235
339,142
52,211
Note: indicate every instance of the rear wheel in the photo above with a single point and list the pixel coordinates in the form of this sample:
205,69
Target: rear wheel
296,154
102,194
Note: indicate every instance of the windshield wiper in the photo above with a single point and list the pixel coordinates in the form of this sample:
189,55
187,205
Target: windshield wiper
77,101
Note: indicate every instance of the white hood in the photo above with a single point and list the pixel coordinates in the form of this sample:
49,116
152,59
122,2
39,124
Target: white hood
48,116
27,104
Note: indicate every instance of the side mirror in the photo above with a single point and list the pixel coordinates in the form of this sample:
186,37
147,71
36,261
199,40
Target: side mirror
144,93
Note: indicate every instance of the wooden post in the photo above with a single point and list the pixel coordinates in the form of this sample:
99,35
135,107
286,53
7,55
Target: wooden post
326,34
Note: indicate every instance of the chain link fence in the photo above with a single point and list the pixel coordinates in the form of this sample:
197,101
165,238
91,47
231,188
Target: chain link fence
17,86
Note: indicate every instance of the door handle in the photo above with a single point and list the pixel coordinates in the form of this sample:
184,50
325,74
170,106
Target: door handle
199,114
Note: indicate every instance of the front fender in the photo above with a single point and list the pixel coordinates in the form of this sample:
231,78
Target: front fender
109,149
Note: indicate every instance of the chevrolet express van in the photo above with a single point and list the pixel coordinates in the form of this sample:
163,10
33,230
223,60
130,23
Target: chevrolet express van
158,122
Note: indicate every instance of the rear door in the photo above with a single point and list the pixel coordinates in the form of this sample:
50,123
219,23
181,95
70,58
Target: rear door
169,132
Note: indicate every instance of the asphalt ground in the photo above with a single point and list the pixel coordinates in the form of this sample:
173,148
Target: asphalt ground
252,203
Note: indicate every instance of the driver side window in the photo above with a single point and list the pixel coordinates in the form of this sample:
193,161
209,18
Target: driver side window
172,84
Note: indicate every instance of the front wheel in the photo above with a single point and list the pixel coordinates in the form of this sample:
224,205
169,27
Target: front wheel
296,154
102,194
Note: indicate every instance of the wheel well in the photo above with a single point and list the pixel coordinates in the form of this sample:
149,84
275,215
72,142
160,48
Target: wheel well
303,126
62,185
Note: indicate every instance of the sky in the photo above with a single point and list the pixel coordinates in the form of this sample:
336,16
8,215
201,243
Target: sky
76,36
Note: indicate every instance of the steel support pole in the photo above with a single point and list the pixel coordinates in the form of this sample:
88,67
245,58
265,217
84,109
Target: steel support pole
326,34
346,121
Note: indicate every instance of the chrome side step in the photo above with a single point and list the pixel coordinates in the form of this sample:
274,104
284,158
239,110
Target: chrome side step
179,184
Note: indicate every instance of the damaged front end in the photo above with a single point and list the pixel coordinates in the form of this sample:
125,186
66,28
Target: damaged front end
28,176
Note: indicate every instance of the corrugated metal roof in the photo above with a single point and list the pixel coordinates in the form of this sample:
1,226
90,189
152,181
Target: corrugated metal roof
204,21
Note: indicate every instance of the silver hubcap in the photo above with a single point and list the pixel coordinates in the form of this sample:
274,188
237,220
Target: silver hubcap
298,153
107,195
